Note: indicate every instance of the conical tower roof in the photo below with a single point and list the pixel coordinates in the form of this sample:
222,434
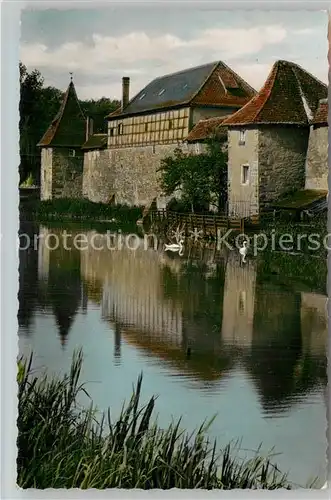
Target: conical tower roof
68,127
290,95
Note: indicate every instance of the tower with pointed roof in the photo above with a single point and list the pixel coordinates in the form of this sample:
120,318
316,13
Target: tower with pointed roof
61,155
268,139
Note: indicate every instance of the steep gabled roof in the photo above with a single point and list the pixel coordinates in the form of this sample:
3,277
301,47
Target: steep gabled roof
96,141
321,115
290,95
211,84
68,126
205,129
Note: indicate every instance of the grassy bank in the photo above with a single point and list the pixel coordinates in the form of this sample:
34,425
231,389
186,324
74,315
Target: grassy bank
62,446
67,209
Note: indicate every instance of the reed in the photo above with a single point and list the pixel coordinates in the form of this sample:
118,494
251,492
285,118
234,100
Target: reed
61,445
83,209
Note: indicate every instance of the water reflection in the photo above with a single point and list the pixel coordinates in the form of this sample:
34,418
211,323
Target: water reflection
211,325
202,316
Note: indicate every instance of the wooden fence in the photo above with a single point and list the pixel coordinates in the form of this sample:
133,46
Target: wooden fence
207,223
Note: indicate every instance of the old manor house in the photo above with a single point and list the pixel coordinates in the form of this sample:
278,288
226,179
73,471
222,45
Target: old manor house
277,138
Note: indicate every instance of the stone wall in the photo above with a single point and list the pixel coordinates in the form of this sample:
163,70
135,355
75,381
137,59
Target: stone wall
99,176
243,198
67,173
128,173
46,174
282,157
61,174
317,159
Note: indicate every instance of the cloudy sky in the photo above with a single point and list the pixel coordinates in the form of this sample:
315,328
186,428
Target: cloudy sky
102,44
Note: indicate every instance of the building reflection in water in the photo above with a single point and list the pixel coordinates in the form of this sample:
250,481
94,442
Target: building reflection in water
202,316
54,283
28,275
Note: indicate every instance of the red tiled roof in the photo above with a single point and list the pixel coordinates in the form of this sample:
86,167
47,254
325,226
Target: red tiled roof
224,88
290,95
68,126
213,84
207,128
321,115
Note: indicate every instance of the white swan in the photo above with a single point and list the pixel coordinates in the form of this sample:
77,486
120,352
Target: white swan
175,247
243,251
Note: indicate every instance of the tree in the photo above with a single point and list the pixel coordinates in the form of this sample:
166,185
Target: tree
201,179
98,110
38,106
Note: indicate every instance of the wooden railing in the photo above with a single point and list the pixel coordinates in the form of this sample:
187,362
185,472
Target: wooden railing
207,223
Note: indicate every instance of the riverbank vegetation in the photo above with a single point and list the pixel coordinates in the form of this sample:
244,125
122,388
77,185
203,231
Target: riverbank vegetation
62,446
74,209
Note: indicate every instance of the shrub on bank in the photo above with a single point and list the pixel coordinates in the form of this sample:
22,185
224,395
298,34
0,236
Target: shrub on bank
68,209
63,446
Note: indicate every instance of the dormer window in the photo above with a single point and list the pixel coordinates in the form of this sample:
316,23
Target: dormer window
242,137
162,92
120,129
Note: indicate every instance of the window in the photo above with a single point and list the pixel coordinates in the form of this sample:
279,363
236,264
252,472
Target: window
242,137
242,302
111,131
170,124
72,153
162,92
146,127
197,148
120,129
245,174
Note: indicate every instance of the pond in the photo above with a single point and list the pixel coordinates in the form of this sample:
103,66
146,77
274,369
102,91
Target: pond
211,336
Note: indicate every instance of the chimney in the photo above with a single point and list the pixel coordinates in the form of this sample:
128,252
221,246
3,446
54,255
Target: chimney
89,127
125,91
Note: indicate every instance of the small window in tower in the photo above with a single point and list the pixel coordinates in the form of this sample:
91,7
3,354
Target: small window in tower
245,174
242,302
72,153
120,129
242,137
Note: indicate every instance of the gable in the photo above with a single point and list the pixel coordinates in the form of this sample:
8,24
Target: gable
68,126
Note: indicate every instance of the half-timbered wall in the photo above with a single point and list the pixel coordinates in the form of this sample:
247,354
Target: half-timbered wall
165,127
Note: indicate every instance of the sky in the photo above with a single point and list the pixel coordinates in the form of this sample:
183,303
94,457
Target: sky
100,44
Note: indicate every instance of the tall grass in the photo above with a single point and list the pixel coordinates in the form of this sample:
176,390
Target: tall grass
83,209
63,446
